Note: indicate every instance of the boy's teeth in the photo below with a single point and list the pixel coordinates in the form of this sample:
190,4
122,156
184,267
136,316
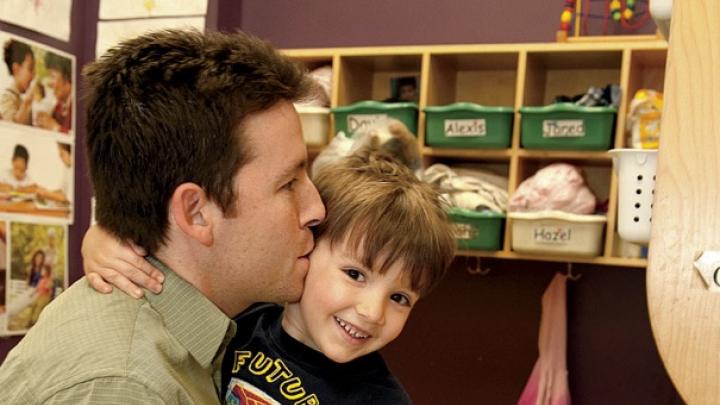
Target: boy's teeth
350,329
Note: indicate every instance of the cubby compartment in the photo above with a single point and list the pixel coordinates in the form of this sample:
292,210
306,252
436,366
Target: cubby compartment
488,78
549,74
477,193
370,77
647,72
596,170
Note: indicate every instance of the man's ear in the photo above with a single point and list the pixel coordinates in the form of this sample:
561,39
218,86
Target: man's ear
190,209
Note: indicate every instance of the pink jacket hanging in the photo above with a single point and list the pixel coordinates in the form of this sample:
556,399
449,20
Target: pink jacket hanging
548,383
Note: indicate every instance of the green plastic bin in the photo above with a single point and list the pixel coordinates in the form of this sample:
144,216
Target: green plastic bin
354,118
468,125
477,230
566,126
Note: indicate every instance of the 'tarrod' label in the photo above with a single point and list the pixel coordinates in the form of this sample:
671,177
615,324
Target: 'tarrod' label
359,123
563,128
465,128
552,235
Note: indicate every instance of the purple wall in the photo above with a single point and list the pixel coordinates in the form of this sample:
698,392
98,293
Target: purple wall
323,23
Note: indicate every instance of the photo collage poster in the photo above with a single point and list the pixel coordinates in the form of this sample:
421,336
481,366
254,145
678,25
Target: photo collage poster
37,163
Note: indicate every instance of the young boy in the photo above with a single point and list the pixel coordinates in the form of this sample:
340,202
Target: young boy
385,243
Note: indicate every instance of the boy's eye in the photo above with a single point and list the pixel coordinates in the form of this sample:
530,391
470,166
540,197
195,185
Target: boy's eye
401,299
355,274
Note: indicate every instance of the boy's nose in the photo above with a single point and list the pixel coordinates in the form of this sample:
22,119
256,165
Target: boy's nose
372,308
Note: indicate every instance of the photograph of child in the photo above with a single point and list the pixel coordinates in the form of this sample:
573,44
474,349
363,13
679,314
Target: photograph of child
36,177
37,272
36,86
403,90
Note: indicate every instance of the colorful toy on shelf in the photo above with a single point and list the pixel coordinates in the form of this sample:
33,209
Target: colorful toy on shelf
615,10
623,13
567,15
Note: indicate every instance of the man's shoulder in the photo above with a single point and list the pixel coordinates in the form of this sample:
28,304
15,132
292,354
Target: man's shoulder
81,335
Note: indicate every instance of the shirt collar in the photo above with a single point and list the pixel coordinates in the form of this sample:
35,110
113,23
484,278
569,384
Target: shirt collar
191,317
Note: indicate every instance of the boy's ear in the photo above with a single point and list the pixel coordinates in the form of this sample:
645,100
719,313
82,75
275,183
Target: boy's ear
190,210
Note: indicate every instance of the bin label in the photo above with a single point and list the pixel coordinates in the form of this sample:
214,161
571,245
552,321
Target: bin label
563,128
552,235
465,128
464,231
360,123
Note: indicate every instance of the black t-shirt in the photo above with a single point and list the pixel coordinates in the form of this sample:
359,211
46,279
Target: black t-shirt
265,365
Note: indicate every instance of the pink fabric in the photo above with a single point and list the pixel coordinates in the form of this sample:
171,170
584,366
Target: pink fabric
548,383
558,186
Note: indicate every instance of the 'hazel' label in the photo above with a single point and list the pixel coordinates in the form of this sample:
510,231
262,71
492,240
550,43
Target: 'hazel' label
552,235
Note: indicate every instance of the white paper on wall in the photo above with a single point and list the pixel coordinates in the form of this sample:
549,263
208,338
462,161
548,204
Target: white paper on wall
114,9
49,17
110,33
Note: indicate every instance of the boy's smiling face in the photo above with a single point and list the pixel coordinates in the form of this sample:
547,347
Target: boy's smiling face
347,310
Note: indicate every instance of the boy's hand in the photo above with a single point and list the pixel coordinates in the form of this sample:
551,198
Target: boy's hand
109,262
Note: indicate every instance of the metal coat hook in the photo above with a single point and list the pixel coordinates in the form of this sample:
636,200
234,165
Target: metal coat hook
478,268
570,275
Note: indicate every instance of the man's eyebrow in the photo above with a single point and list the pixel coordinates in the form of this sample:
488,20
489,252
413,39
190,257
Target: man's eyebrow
289,172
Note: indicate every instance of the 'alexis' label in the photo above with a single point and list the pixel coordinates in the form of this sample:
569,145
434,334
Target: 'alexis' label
465,128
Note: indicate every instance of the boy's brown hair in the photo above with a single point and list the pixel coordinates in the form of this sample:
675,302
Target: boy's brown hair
385,213
167,108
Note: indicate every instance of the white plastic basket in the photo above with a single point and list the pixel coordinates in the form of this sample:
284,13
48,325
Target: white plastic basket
315,122
636,174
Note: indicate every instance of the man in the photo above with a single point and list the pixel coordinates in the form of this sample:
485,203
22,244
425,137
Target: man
60,73
196,155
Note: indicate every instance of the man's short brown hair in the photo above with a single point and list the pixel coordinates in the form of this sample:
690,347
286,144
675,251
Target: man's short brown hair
384,212
167,108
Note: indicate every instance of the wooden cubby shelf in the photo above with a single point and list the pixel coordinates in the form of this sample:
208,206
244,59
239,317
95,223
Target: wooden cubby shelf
513,75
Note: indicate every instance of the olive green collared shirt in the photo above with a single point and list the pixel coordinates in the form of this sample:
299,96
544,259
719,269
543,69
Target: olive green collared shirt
89,347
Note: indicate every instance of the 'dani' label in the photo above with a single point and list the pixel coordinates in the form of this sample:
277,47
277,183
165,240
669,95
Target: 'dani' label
465,128
359,123
563,128
552,235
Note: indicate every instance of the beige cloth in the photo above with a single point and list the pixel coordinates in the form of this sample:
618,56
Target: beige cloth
89,347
